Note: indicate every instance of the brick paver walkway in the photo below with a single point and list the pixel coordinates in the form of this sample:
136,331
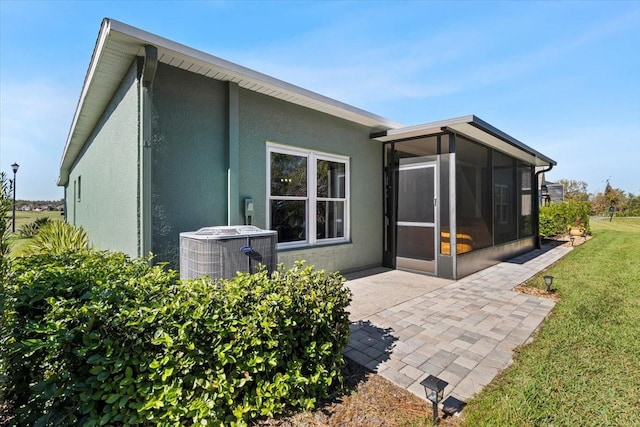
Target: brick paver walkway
464,332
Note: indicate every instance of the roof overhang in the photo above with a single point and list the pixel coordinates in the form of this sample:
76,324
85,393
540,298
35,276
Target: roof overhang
119,44
473,128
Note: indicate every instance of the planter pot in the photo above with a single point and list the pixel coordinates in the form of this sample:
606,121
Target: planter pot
576,231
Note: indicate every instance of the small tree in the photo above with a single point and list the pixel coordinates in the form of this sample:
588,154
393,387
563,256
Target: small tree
5,207
611,197
574,190
634,205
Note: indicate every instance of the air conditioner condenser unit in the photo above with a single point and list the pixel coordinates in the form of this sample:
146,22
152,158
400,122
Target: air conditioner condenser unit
221,252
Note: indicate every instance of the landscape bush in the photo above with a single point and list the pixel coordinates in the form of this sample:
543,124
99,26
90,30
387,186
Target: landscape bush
31,229
96,338
57,237
551,222
558,218
5,206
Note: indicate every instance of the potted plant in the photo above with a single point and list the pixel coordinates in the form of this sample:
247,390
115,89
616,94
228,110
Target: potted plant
577,228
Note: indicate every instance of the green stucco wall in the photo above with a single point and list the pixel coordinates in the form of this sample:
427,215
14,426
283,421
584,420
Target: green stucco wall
188,155
193,121
263,119
108,169
192,124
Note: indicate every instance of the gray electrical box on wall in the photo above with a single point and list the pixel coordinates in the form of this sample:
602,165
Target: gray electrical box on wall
248,211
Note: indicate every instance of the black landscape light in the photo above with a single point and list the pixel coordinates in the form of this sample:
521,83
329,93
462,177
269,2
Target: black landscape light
434,389
548,280
14,167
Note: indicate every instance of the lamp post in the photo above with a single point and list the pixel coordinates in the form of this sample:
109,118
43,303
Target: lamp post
434,389
548,280
14,167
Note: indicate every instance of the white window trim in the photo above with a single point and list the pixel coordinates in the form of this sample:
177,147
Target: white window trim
312,198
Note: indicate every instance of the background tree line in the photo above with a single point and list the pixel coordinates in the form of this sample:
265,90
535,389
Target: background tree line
625,204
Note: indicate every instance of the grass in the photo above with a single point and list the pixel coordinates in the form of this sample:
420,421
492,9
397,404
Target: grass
582,369
19,244
584,366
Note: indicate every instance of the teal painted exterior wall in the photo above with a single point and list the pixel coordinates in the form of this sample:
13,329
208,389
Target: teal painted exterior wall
198,125
106,174
188,155
264,119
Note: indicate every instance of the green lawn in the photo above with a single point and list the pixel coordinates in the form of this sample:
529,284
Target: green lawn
18,244
583,369
584,366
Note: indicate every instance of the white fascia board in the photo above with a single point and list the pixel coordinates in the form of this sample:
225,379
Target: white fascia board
474,128
251,77
421,129
541,159
72,147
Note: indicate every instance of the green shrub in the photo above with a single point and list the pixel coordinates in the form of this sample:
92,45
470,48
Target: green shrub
558,218
551,224
577,214
57,237
28,230
31,229
95,338
5,207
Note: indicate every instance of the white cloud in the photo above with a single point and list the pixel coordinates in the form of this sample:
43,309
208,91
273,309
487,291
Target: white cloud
354,60
340,62
347,60
533,59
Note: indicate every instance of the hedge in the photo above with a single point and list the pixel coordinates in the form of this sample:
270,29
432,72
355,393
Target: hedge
97,338
558,218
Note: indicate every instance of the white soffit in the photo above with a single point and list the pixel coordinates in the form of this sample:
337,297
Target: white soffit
119,44
475,129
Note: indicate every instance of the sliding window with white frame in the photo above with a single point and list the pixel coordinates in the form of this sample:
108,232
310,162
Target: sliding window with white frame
308,196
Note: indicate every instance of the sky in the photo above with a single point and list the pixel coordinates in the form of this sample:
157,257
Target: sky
562,77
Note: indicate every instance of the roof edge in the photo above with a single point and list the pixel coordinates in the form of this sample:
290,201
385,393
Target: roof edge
168,44
65,163
472,120
109,26
479,123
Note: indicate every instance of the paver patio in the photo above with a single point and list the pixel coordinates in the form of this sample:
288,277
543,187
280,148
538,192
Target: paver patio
407,326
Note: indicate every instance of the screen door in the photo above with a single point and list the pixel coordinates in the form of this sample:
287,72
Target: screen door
416,220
